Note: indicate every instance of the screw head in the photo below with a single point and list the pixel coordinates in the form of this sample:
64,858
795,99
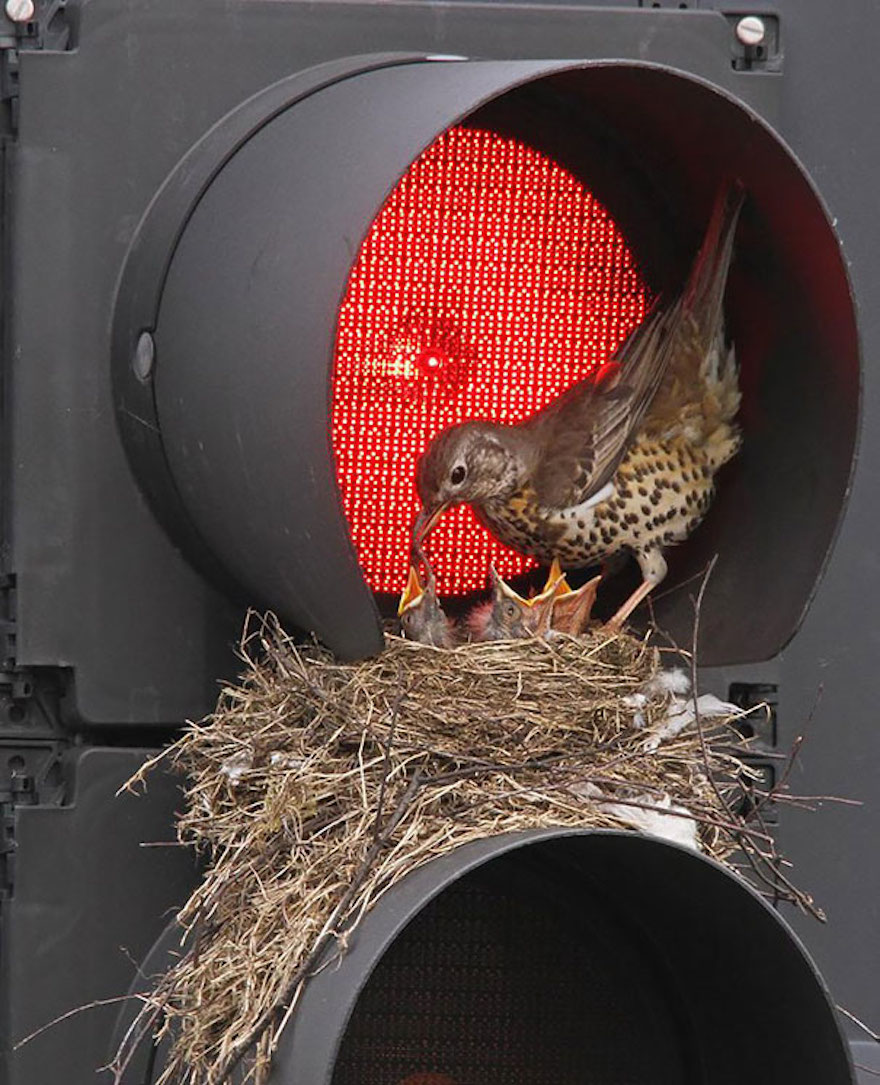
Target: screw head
144,356
750,30
20,11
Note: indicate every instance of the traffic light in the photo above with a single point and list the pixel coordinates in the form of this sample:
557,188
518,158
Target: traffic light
258,253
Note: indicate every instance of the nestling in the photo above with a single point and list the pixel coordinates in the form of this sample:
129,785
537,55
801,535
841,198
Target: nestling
571,609
507,615
421,616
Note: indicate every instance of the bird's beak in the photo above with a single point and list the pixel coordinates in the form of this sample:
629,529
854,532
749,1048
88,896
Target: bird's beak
507,590
556,585
556,582
425,523
412,593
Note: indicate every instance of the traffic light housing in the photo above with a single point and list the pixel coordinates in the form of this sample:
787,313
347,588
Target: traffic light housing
188,184
232,240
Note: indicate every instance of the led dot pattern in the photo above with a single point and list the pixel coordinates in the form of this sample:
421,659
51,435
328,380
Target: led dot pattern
490,281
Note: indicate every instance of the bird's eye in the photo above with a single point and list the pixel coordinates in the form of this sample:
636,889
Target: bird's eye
510,610
456,475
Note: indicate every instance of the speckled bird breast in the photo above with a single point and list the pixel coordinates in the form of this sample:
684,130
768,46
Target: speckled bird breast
662,491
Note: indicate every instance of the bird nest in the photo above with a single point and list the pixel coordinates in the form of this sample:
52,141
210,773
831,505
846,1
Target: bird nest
315,786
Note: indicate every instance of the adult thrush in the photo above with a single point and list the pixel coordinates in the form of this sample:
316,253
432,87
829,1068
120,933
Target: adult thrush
622,460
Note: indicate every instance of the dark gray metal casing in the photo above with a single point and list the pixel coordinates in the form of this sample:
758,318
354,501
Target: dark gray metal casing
103,590
97,879
234,415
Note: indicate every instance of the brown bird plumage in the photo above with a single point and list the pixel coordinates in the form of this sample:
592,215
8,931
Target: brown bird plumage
622,460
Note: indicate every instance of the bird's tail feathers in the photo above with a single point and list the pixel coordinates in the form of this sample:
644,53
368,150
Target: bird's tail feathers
720,380
643,359
657,343
704,292
719,435
702,409
700,390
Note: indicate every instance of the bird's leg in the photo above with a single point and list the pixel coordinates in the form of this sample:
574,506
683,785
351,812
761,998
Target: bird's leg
653,566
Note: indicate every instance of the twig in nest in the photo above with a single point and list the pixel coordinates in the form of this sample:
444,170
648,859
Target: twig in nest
755,856
389,742
143,995
861,1024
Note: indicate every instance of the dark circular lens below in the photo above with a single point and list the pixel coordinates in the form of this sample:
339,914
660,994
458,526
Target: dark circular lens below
507,979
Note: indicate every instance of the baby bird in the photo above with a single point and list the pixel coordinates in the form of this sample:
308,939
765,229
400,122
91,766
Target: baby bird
421,616
509,616
622,461
571,610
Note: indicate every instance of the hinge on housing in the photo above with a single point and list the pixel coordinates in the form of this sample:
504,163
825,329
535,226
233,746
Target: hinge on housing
7,850
27,25
17,789
13,787
31,773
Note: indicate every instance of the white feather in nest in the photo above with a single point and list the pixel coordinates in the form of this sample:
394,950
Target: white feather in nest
677,826
235,767
681,711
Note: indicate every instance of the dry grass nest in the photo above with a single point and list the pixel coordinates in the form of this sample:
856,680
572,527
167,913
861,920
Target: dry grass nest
316,785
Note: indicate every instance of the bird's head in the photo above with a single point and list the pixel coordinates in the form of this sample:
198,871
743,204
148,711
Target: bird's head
421,616
508,615
469,463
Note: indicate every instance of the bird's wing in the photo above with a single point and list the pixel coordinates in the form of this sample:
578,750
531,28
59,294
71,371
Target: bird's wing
584,433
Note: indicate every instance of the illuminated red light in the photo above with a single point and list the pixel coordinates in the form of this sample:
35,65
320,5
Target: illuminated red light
430,360
490,281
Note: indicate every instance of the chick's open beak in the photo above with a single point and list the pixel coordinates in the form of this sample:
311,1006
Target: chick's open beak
556,583
412,593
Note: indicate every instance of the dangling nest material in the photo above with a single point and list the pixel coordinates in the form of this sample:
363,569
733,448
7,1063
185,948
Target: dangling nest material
316,785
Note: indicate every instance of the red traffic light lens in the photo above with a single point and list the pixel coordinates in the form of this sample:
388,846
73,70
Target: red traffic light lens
490,281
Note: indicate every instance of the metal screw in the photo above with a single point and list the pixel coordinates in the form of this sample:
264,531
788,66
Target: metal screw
144,357
20,11
750,31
